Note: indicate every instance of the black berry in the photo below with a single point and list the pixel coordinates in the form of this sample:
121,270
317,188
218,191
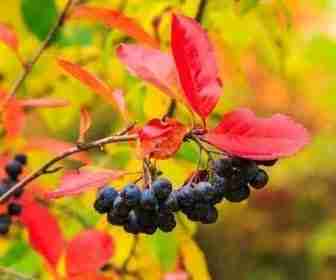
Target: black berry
132,223
171,203
120,207
132,195
105,200
14,209
167,222
148,200
210,216
260,180
115,219
162,188
13,169
222,167
186,197
5,222
204,191
22,158
238,195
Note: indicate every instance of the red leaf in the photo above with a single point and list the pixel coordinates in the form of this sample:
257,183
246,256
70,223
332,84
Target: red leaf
115,19
85,123
151,65
243,134
44,103
55,147
8,36
161,139
77,182
13,118
93,82
196,65
178,275
44,232
88,252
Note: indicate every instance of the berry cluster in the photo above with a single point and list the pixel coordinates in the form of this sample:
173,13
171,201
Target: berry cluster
140,211
235,176
144,211
13,170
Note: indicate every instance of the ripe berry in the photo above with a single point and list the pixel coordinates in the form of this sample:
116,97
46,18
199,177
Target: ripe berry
260,180
222,167
167,222
171,203
105,200
210,216
22,158
132,224
186,197
14,209
150,229
221,186
3,189
250,170
147,217
148,200
120,207
13,169
115,219
204,191
238,195
162,188
5,222
132,195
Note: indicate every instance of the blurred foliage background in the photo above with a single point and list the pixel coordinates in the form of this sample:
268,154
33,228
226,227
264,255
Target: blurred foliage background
274,56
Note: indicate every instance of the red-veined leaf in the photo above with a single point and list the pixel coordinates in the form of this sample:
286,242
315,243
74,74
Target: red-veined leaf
151,65
44,103
89,251
85,123
242,134
55,147
45,235
8,37
115,19
13,118
94,83
196,65
161,139
77,182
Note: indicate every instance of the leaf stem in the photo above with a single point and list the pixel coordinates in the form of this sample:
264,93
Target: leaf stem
45,169
28,66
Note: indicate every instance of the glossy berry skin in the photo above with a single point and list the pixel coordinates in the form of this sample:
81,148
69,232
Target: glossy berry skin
115,219
13,169
162,188
238,195
132,223
5,222
204,191
22,158
150,229
120,207
221,186
147,218
222,167
14,209
105,200
131,194
260,180
148,200
171,203
167,222
210,216
186,197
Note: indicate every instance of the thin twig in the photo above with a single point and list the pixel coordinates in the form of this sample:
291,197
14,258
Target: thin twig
171,109
28,66
120,137
14,274
131,254
201,10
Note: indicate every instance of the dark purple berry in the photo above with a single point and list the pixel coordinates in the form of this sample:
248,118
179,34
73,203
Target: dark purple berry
186,197
120,207
147,217
238,195
171,203
210,216
22,158
132,195
148,200
204,191
167,222
132,224
13,169
162,188
14,209
260,180
115,219
222,167
105,200
150,229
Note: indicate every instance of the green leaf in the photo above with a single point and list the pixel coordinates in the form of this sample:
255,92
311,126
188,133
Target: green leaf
39,16
76,36
246,6
165,247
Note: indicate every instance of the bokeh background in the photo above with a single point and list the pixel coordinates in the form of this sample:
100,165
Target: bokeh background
273,55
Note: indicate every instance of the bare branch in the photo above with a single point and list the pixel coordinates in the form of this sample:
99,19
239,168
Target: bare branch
29,64
47,167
